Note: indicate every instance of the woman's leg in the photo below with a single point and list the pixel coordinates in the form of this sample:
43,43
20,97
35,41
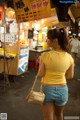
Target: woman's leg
59,112
48,111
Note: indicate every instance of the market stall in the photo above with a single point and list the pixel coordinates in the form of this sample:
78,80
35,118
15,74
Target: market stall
26,34
16,60
14,47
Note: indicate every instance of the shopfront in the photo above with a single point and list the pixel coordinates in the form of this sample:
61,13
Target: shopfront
14,51
24,41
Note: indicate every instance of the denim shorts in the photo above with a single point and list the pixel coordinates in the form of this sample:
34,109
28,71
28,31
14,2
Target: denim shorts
56,94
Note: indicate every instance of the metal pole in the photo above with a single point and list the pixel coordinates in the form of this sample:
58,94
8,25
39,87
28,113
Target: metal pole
4,48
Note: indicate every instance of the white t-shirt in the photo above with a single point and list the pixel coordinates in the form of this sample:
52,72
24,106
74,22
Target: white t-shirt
75,44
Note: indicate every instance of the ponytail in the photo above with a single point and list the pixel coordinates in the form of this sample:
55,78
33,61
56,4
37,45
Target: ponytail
62,40
61,35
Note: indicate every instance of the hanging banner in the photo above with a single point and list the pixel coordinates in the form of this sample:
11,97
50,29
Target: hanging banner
29,10
1,14
74,12
49,21
53,20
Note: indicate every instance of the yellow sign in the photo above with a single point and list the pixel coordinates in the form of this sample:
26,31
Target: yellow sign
49,21
40,36
74,12
29,10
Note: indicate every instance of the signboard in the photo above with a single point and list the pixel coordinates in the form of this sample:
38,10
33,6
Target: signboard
74,12
23,60
10,38
29,10
69,1
49,21
1,14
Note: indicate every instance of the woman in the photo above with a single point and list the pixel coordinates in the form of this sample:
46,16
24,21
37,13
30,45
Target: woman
55,67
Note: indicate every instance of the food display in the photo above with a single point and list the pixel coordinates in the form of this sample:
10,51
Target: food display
7,54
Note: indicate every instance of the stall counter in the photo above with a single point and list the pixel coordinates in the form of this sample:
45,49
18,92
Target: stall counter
19,64
33,53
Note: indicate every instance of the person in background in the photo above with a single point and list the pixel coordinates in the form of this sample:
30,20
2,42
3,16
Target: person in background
69,38
55,67
75,45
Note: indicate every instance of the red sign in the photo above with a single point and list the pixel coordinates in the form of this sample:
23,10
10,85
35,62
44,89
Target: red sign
1,14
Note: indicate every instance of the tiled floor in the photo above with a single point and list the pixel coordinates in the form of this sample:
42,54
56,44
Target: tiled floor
12,101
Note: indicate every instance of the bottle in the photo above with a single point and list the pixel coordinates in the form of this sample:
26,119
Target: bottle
0,44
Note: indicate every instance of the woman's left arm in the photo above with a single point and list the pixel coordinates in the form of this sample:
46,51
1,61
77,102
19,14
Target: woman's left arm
70,72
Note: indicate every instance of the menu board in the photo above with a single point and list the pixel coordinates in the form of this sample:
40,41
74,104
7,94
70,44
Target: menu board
28,10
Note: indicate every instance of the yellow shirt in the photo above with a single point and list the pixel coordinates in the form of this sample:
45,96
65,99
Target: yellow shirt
56,64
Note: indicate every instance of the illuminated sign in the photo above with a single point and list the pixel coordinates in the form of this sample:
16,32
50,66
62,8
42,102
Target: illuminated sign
69,1
1,14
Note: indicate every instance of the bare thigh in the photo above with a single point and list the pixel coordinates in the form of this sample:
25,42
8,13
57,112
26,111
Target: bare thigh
48,111
59,112
52,111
